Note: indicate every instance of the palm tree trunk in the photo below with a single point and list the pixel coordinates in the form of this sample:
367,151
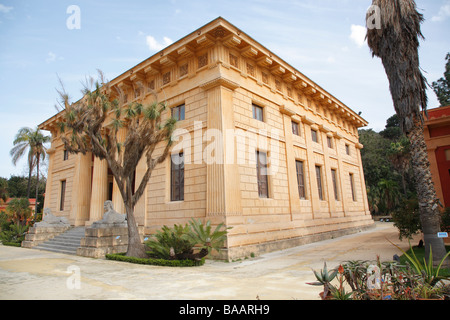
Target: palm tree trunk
428,201
37,186
30,169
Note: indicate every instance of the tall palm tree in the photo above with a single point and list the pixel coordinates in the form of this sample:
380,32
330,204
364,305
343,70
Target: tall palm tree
389,194
21,146
33,141
396,42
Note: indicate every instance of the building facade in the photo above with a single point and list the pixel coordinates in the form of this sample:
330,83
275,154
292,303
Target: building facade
261,148
437,138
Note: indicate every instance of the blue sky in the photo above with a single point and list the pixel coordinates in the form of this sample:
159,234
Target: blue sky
324,39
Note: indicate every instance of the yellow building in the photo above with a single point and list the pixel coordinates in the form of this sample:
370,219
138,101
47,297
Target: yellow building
264,149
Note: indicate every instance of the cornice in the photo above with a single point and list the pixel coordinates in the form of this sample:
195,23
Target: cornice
220,32
219,81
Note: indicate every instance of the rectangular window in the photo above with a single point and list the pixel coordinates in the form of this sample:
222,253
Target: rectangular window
258,112
319,181
261,172
335,186
352,186
177,177
300,179
314,136
347,149
178,113
66,155
330,142
295,128
63,195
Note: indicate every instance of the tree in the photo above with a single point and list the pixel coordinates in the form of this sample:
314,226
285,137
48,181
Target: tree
92,125
389,194
399,154
33,141
3,189
442,86
396,42
22,143
19,210
392,130
37,143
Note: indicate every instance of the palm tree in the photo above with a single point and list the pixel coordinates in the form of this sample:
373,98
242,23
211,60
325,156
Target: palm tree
389,194
21,145
396,42
33,141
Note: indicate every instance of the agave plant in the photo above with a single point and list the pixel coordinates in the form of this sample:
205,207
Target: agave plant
423,268
324,278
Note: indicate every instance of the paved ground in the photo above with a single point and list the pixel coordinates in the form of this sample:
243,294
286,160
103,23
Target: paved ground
28,274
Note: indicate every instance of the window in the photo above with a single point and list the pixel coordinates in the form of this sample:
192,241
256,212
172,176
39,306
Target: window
330,142
300,179
352,186
63,195
66,155
314,136
447,154
258,112
261,173
295,128
335,187
178,113
319,181
347,149
177,177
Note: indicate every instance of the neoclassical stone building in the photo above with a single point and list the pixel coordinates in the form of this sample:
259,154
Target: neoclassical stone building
263,149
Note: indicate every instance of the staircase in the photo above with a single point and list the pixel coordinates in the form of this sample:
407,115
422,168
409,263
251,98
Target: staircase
67,242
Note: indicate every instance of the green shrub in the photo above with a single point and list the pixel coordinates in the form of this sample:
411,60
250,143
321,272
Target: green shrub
15,234
155,262
170,238
178,242
407,218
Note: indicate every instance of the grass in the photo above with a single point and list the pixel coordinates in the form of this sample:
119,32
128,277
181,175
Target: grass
420,254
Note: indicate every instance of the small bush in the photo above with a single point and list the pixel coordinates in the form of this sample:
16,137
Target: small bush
155,262
179,242
14,236
407,218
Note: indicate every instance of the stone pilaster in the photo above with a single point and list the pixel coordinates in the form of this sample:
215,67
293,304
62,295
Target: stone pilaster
294,199
81,195
223,194
48,185
99,190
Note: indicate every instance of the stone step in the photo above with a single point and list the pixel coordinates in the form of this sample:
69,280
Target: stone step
67,242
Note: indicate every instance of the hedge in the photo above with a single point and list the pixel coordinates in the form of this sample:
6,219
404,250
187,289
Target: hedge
155,262
12,244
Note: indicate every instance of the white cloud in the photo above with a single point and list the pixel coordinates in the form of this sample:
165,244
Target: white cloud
51,57
155,45
444,13
358,35
5,9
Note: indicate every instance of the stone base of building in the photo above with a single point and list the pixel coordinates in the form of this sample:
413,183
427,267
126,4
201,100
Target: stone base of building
38,235
234,253
101,241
